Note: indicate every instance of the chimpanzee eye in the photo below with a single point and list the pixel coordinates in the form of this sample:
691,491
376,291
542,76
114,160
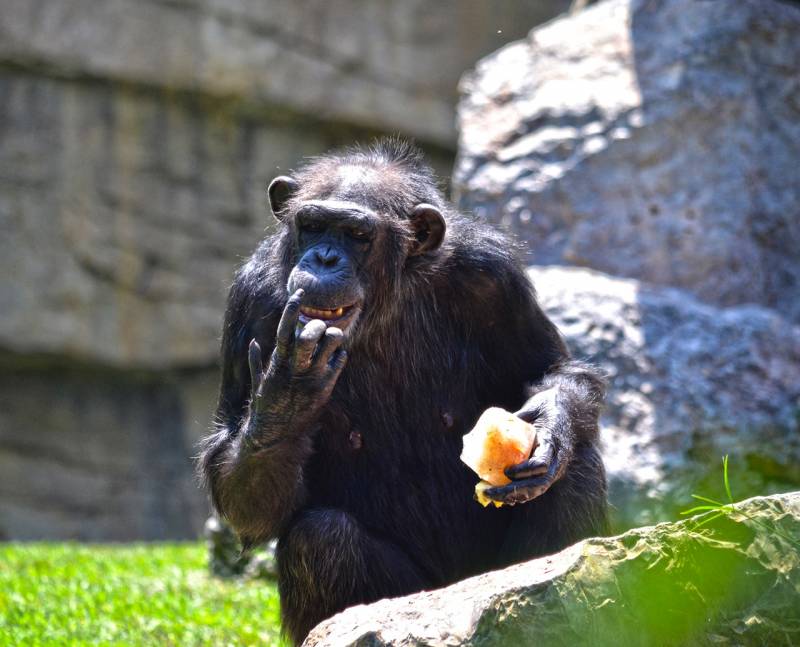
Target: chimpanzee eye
359,235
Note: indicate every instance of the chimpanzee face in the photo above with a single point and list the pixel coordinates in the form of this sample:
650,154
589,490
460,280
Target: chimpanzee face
334,240
345,251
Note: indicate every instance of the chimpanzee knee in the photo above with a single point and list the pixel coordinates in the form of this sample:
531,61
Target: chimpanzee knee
327,562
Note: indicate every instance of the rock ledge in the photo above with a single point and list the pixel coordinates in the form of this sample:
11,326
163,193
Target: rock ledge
735,580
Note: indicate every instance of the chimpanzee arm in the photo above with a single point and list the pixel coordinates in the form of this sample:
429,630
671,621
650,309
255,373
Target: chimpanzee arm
253,464
563,485
564,405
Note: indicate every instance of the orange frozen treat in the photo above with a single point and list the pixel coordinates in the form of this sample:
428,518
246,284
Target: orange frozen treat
499,440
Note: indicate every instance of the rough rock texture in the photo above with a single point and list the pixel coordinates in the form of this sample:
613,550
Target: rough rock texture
654,139
733,582
689,383
136,141
90,453
368,64
124,215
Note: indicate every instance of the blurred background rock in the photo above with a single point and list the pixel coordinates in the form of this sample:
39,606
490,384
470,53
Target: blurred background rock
655,141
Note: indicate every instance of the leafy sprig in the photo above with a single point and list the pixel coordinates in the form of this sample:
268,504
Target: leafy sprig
729,509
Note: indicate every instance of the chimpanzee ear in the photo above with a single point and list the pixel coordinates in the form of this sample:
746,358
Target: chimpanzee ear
428,225
280,190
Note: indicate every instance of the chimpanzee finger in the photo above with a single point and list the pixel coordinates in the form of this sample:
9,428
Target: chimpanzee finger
540,463
330,342
306,342
285,334
337,362
256,364
519,491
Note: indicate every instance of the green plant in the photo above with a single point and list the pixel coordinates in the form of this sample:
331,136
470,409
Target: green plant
728,509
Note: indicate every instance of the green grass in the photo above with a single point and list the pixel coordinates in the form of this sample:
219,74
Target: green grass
138,594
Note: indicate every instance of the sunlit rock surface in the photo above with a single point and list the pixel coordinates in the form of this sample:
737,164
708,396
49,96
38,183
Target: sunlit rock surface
688,383
653,139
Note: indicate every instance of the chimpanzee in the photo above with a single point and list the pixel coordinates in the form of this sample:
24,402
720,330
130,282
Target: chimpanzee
361,342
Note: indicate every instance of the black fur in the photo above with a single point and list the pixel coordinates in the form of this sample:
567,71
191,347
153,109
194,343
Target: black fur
360,478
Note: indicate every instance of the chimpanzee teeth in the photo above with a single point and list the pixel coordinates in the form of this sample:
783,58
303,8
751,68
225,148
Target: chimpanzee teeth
319,313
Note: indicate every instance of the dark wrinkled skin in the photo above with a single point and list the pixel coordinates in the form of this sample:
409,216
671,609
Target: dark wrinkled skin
341,435
299,379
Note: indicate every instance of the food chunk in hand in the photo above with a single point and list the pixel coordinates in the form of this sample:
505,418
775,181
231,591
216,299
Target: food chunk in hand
499,440
481,498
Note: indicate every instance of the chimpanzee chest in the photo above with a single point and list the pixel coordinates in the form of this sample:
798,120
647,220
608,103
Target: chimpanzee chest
394,465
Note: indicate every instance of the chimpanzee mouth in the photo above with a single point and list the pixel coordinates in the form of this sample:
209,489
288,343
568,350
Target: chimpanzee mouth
331,316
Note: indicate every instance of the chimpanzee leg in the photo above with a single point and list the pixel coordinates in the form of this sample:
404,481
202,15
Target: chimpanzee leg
574,508
327,562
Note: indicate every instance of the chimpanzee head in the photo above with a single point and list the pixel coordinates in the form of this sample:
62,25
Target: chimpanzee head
355,223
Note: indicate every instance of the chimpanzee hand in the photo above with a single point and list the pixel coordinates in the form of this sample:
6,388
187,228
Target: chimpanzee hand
547,464
300,377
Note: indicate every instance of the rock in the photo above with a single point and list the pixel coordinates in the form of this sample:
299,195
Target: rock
225,557
689,383
261,564
340,62
655,139
93,454
735,581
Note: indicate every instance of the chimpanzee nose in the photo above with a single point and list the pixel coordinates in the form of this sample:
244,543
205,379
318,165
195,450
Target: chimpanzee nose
327,257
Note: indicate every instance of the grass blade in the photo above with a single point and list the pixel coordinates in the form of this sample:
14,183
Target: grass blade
725,478
707,500
699,508
711,518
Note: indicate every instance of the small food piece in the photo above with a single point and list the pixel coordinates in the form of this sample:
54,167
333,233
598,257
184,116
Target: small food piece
481,498
499,440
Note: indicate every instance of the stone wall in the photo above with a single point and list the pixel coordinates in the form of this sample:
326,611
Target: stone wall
136,141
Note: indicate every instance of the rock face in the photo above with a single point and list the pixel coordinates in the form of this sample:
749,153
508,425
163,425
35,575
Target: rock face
653,139
125,214
95,453
136,141
735,581
369,66
688,383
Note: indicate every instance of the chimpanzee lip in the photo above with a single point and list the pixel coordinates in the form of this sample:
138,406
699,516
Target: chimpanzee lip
330,316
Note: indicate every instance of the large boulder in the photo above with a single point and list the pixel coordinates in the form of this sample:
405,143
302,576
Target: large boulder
734,581
688,383
654,139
